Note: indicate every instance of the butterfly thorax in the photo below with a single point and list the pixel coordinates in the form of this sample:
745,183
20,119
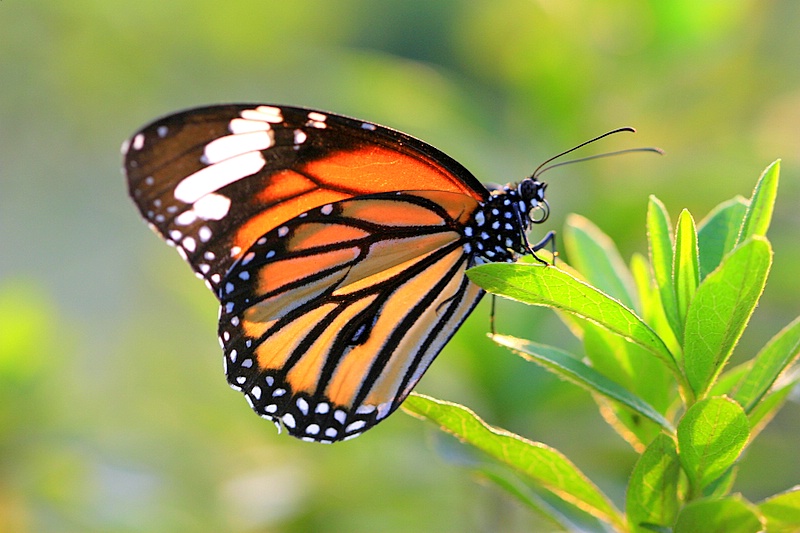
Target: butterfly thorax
497,230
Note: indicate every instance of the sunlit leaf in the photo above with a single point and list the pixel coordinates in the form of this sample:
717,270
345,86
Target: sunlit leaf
711,435
630,366
652,496
685,267
554,288
660,243
718,231
650,298
782,511
769,406
544,465
729,515
570,368
727,380
759,212
776,356
720,310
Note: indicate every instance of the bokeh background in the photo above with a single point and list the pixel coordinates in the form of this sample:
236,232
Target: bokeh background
114,412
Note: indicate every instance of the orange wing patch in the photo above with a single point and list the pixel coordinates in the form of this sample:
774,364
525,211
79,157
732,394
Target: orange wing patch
344,174
315,234
373,169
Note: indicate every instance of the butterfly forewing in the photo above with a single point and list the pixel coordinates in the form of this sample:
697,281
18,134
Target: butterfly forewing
212,181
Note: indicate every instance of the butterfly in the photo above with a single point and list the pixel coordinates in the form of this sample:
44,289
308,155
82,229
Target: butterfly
337,249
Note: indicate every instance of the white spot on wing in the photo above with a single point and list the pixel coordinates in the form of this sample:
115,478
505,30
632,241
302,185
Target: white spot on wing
355,426
302,405
316,120
138,142
210,179
186,218
234,145
264,113
340,416
242,125
205,235
212,207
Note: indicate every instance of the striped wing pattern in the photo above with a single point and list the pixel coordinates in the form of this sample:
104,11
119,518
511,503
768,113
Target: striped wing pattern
329,321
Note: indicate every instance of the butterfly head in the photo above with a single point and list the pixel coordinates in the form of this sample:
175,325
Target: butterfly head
532,201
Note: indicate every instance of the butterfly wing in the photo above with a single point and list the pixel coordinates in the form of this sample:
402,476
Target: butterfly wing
329,320
337,291
212,180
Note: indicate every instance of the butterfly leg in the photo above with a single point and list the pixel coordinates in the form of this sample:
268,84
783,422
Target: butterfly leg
549,238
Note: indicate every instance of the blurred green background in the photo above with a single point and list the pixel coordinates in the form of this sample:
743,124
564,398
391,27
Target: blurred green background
114,412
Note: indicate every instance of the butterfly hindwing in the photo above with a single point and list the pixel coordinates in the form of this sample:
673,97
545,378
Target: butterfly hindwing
329,320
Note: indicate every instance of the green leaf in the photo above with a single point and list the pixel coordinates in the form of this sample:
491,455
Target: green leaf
759,213
631,367
782,511
776,356
721,486
652,496
685,267
769,406
729,379
570,368
650,298
720,310
659,239
555,288
718,232
540,463
595,256
711,435
729,515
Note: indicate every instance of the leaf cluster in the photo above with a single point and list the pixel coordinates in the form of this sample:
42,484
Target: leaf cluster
657,335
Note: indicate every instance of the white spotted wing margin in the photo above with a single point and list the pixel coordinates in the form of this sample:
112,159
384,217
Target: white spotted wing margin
329,321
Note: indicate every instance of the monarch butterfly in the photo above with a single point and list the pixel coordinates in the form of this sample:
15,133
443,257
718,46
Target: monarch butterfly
336,247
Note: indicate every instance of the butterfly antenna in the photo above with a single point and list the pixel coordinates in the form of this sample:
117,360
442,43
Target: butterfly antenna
541,168
651,149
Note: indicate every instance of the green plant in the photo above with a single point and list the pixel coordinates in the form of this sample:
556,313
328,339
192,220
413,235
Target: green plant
656,339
